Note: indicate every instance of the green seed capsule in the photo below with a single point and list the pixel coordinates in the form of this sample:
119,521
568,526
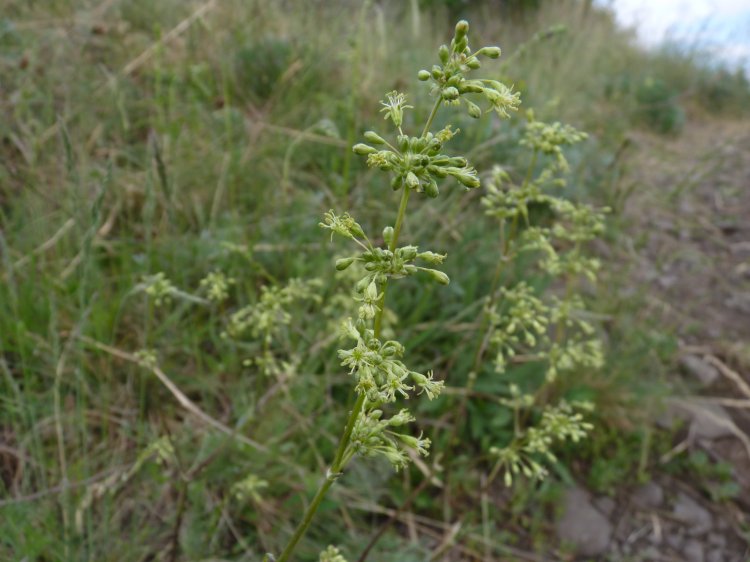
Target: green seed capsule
437,171
474,110
437,72
343,263
363,149
450,93
408,252
455,80
374,138
468,180
397,182
438,276
388,235
473,63
423,75
431,189
444,53
492,52
462,28
470,87
411,180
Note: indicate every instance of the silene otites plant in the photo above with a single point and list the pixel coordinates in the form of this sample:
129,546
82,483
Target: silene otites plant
522,322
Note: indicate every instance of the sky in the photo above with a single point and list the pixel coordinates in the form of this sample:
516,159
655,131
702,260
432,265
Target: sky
723,26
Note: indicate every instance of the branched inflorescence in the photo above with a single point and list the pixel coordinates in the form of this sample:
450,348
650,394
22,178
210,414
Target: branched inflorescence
416,164
526,325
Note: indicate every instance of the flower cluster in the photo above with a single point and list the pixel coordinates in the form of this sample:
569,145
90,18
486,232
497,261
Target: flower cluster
558,424
373,436
416,162
450,82
528,326
550,138
377,368
331,554
159,288
216,284
270,314
249,488
379,263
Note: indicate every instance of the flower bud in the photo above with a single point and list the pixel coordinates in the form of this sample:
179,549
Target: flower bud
432,257
462,28
455,80
423,75
412,181
471,87
492,52
444,55
431,189
473,63
469,180
363,149
474,110
343,263
450,94
408,252
388,235
438,276
374,138
371,292
437,171
397,183
362,284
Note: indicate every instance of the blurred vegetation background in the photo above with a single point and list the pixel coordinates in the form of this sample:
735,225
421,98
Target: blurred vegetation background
140,137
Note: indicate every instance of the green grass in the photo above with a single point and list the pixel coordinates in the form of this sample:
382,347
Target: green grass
127,149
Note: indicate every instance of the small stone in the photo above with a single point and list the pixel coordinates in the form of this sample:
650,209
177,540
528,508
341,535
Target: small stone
700,369
717,540
693,551
715,555
694,515
606,505
707,421
582,525
710,421
648,496
675,539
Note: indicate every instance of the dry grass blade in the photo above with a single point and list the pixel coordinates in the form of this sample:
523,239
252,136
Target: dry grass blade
141,58
183,400
730,374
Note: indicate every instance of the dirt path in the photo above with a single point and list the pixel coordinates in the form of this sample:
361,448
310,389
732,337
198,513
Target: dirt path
689,225
691,208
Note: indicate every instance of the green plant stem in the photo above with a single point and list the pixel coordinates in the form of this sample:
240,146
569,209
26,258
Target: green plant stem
333,473
309,514
392,247
431,118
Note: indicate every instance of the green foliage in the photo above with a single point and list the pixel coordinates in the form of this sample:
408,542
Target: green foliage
658,106
717,478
